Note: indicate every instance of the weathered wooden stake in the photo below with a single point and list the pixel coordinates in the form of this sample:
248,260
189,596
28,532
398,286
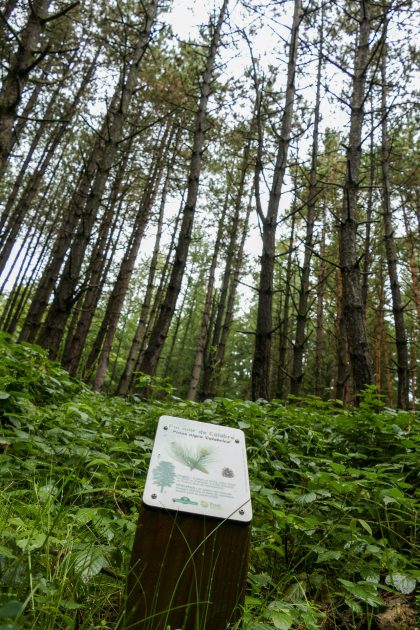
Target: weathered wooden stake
188,570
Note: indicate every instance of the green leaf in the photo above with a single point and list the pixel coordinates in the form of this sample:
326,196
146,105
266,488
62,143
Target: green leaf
89,562
281,620
326,556
68,605
402,583
305,499
365,526
11,609
354,606
364,591
4,551
35,541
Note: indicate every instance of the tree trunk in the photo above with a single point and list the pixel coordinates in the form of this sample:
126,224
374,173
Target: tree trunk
211,362
126,376
157,298
117,298
319,363
360,357
367,258
403,370
53,327
6,221
342,372
284,323
227,322
262,353
205,320
302,310
380,342
26,57
95,273
160,330
35,180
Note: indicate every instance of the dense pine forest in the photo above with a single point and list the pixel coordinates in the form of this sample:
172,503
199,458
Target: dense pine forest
226,200
211,210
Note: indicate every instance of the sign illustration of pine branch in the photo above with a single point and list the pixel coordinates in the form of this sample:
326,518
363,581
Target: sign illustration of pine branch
164,475
195,459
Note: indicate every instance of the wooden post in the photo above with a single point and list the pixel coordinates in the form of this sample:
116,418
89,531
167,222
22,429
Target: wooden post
188,570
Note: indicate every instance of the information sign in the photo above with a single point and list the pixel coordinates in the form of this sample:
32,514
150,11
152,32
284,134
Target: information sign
199,468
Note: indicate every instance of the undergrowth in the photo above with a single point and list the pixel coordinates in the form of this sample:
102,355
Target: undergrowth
335,500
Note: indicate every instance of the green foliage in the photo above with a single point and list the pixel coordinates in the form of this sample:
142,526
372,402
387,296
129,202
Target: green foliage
335,499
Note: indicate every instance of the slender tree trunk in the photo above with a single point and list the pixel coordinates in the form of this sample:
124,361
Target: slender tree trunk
230,303
205,320
262,353
302,311
414,268
319,367
388,376
380,342
414,274
95,273
6,221
342,372
212,363
176,327
26,57
360,357
64,299
126,376
158,297
403,370
122,282
35,180
160,331
282,372
367,258
32,268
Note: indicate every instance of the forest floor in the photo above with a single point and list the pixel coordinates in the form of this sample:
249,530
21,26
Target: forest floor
335,496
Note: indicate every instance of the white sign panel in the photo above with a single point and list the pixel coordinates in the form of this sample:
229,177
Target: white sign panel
199,468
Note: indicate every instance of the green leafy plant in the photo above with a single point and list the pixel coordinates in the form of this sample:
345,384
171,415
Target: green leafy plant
335,499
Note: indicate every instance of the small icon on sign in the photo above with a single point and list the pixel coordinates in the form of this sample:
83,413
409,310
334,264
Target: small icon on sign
185,501
228,472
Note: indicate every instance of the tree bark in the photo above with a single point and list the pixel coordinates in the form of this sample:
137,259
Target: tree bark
302,310
125,273
403,370
53,327
212,362
262,353
24,60
319,363
99,265
360,357
160,330
284,323
219,357
205,320
35,180
126,376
